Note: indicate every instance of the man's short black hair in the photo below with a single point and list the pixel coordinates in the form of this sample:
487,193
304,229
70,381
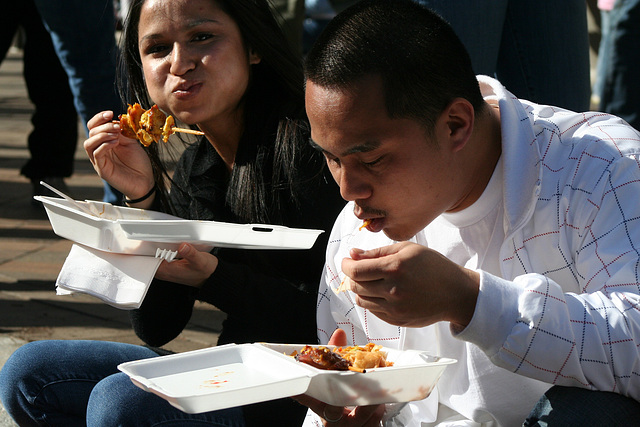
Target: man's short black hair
422,63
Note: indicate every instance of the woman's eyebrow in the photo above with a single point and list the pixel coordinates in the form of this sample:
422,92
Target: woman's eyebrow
189,25
197,22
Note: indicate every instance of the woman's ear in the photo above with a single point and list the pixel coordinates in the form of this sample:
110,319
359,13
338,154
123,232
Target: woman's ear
458,119
254,58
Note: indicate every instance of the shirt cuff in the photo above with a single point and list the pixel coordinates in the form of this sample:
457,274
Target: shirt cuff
495,315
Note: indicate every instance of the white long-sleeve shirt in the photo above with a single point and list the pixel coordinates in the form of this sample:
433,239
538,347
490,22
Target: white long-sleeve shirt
556,239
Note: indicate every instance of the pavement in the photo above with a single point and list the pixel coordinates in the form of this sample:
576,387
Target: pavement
31,255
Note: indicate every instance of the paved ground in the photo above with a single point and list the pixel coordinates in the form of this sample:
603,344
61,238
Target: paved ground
31,255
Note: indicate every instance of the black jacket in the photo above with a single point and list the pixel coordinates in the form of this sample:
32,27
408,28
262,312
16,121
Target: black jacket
268,295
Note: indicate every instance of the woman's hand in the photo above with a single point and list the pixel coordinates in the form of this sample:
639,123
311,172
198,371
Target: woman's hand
120,161
335,416
192,269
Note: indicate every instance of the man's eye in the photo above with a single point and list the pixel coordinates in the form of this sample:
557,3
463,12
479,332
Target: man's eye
372,163
333,161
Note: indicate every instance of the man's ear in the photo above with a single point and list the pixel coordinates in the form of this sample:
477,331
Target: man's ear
457,122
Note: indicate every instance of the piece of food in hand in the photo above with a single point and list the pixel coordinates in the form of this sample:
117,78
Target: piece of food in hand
130,122
354,358
345,285
150,125
168,128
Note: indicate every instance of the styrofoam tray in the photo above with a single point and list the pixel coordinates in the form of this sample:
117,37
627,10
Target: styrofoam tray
221,234
127,230
234,375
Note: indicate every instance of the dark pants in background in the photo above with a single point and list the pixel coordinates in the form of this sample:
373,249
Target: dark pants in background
52,143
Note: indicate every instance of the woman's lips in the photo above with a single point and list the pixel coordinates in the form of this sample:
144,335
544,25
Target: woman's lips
186,90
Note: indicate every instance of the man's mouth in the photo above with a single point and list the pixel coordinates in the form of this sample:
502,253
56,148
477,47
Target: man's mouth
373,220
373,224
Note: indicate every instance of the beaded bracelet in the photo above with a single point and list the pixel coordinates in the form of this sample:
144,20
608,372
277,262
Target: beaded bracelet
141,199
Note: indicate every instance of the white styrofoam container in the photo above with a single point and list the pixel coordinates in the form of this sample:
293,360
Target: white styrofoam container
260,372
221,234
220,377
127,230
101,231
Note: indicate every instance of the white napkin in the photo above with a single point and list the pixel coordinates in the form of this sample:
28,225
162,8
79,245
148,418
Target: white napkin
119,280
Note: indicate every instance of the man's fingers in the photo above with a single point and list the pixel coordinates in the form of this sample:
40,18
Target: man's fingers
360,254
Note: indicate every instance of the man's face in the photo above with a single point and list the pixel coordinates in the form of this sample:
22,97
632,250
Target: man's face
396,174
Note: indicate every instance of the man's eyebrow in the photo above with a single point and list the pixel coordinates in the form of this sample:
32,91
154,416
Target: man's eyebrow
316,146
360,148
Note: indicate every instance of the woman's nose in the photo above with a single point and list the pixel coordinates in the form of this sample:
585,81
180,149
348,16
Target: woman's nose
181,59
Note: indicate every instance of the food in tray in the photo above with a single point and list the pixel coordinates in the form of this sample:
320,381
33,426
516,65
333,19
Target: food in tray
353,358
150,125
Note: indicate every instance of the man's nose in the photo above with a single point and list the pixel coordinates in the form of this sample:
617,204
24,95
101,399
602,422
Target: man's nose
353,186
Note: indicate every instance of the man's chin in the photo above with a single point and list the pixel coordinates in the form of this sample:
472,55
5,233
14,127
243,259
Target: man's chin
398,235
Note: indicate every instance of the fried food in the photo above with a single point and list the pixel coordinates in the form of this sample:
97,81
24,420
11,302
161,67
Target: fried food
322,358
150,125
364,357
354,358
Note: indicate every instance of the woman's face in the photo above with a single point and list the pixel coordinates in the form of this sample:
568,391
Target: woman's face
194,60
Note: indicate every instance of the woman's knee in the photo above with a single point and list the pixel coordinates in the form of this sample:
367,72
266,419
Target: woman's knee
18,377
116,401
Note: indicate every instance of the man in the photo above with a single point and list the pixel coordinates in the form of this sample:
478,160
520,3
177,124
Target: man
499,232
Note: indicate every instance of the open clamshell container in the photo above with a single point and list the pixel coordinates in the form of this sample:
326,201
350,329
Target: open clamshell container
127,230
234,375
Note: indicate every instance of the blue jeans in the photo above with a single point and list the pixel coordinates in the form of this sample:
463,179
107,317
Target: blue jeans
618,82
77,383
539,50
578,407
83,35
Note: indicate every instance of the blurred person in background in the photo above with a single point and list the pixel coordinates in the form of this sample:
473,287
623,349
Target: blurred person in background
617,88
83,34
52,142
538,50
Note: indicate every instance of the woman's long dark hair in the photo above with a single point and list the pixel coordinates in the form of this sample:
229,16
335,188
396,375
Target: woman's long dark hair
274,158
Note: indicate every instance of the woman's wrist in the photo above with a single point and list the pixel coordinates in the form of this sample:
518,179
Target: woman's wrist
139,199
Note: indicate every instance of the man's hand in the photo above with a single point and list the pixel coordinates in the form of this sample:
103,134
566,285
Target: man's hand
192,269
407,284
336,416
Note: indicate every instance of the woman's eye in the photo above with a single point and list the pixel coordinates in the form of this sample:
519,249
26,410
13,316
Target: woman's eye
202,37
156,48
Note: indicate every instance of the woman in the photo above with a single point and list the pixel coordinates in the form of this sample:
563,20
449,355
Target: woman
224,67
